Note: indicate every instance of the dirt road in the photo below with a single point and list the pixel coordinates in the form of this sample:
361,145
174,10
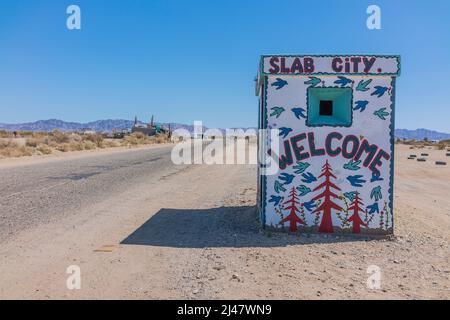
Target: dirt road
141,228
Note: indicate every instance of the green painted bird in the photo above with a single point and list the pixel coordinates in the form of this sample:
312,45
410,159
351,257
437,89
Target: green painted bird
277,111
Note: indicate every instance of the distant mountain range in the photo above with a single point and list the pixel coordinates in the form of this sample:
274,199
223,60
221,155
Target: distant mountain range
108,125
120,124
420,134
99,125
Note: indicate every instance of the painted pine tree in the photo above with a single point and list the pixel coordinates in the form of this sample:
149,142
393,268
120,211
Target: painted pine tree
355,218
326,225
292,205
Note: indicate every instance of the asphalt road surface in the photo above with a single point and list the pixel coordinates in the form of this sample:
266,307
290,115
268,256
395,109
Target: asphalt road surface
41,193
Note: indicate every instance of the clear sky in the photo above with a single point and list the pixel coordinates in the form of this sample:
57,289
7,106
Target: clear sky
196,60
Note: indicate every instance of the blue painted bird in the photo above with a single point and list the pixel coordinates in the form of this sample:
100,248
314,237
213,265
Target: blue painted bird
343,81
376,177
277,111
275,199
286,177
362,85
376,193
279,83
361,105
373,208
381,113
299,113
356,180
278,187
310,205
301,167
379,91
352,165
350,195
303,190
284,131
308,177
313,81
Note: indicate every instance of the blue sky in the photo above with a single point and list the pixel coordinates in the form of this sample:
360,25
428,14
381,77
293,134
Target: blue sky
196,60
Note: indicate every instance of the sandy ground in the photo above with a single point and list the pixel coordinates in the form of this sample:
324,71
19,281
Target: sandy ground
195,235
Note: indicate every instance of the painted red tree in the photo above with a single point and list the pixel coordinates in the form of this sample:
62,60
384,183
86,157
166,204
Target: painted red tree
292,205
355,218
326,225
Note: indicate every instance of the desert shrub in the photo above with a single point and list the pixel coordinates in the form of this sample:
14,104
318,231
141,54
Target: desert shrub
63,147
59,137
44,148
52,144
107,143
162,138
89,145
76,145
7,144
95,138
76,137
443,144
32,142
136,138
16,151
25,133
5,134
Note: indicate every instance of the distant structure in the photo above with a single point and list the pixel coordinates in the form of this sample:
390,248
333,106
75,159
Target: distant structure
149,129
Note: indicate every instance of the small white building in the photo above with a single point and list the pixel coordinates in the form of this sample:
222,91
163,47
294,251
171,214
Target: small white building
335,122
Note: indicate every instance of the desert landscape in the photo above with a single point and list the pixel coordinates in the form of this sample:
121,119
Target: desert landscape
29,143
140,227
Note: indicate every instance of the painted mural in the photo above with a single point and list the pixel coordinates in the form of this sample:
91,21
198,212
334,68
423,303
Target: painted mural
333,176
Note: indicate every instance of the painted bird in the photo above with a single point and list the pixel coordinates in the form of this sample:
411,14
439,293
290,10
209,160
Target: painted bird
356,180
308,177
376,177
313,81
362,85
303,190
352,165
373,208
381,113
277,111
350,195
310,205
275,199
279,83
278,187
376,193
361,105
299,113
284,131
379,91
343,81
287,178
301,167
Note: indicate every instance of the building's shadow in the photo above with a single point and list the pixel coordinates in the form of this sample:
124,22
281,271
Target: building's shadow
216,227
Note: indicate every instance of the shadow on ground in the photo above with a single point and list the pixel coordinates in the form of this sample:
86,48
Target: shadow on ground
217,227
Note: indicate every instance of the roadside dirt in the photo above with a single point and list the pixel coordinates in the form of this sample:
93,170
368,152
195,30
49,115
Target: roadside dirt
196,235
58,156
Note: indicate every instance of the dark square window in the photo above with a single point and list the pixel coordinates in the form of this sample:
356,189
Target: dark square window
329,107
326,108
